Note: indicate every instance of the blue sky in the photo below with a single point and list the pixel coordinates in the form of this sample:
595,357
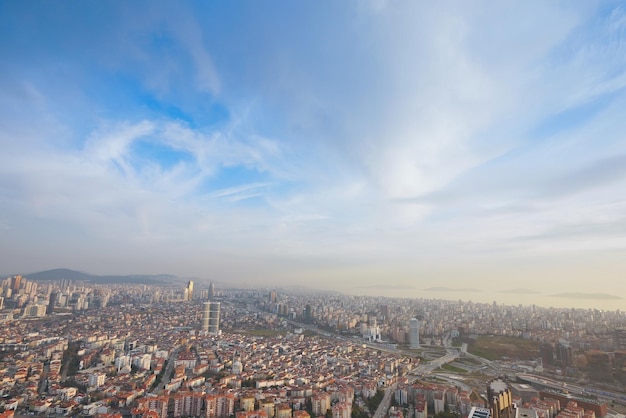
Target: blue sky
330,144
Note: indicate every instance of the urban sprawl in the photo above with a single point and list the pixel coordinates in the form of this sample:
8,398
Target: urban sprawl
189,350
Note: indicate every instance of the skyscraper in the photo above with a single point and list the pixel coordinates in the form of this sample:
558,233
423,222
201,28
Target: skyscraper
500,399
214,318
211,291
189,290
54,295
206,309
414,333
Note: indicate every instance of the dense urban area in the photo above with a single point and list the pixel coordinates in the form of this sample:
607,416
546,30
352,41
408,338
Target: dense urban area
71,348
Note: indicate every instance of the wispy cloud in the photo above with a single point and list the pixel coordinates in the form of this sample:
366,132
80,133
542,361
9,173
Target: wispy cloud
238,193
397,136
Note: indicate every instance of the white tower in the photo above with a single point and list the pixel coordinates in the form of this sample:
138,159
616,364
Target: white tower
414,333
214,318
206,309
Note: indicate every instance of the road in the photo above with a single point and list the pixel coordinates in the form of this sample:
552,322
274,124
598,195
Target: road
168,372
427,368
601,394
383,406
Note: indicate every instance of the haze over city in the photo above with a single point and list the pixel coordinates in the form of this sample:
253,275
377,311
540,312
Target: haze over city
471,151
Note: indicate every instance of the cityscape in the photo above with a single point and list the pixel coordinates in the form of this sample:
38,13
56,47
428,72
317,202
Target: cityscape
312,209
189,349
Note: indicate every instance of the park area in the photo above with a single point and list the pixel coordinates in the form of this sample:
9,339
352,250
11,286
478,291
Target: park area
502,347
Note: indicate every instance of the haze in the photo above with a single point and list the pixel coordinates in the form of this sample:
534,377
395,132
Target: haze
368,147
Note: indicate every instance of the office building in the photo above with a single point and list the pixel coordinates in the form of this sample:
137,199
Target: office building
500,399
414,333
52,301
214,318
189,290
206,308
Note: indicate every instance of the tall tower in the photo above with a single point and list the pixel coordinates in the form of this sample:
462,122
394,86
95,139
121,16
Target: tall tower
214,318
54,296
500,399
206,309
189,290
211,291
414,333
16,282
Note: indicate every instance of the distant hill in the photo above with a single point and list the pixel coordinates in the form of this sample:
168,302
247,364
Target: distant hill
67,274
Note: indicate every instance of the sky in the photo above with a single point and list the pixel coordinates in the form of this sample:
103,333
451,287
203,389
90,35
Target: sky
465,150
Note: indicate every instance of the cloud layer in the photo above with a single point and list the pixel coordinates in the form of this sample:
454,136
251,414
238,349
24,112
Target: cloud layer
335,143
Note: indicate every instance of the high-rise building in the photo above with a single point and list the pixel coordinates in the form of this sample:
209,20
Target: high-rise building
214,318
52,302
620,339
16,282
211,291
500,399
206,309
189,290
34,310
414,333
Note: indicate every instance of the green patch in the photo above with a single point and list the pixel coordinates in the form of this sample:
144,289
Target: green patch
498,348
468,361
450,368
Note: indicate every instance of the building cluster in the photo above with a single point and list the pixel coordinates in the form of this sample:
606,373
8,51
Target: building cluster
151,351
149,361
521,401
583,329
573,342
20,297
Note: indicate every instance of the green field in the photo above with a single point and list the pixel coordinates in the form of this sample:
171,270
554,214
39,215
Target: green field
450,368
497,348
468,361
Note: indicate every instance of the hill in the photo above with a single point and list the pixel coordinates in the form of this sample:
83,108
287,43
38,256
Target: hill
67,274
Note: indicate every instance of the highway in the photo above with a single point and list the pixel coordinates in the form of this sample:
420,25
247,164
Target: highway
601,394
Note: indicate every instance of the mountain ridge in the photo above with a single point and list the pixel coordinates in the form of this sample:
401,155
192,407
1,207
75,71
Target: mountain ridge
74,275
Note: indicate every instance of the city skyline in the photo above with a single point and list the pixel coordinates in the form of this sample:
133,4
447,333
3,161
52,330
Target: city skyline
418,150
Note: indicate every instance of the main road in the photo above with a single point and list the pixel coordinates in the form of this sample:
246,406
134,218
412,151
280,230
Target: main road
165,379
383,406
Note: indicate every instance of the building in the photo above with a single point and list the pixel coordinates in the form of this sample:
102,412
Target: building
342,410
620,339
477,412
35,310
214,318
97,379
523,392
52,301
414,333
189,290
211,291
421,407
206,309
500,399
